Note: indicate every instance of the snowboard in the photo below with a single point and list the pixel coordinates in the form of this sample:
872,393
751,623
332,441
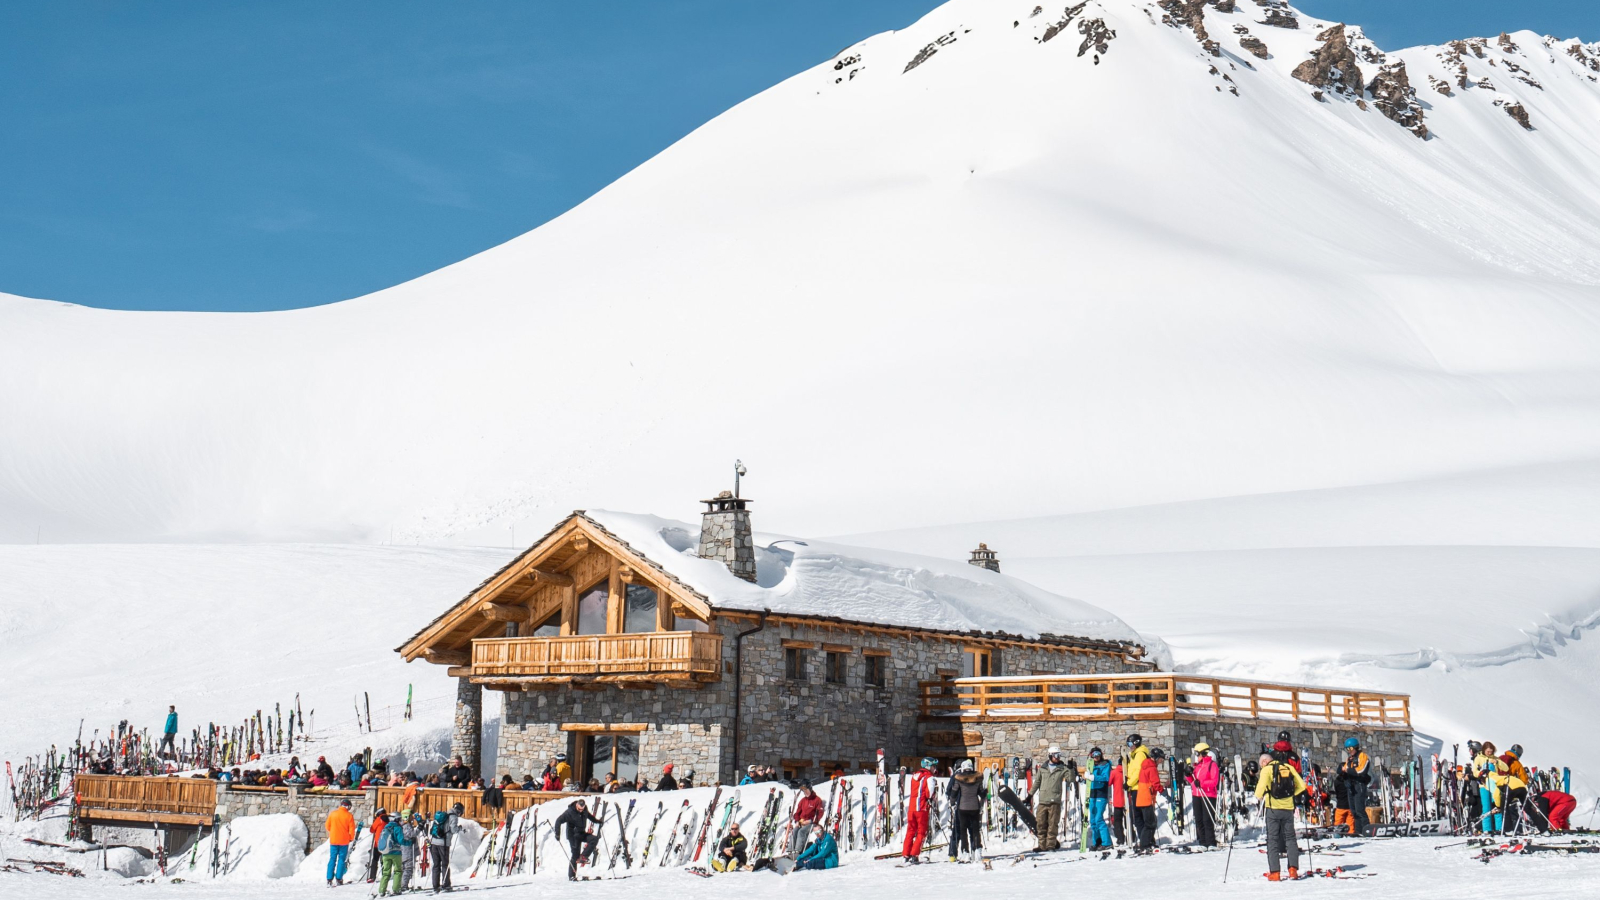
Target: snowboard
1023,812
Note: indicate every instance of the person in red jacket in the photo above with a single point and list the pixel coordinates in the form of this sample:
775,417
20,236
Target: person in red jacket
1557,807
1119,806
807,812
1144,800
917,800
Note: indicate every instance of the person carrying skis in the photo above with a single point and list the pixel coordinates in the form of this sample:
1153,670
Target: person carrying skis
918,801
388,845
1353,772
967,796
822,853
1279,786
1143,782
1047,790
1205,777
1100,778
440,834
341,828
169,734
576,820
667,782
732,851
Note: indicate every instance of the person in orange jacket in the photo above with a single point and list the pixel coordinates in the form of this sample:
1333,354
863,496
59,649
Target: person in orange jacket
341,827
380,820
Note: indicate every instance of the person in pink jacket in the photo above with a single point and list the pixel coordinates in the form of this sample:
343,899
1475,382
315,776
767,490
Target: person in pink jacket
1204,778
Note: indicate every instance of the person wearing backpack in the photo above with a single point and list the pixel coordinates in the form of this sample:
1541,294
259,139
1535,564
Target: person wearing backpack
439,832
390,841
1277,789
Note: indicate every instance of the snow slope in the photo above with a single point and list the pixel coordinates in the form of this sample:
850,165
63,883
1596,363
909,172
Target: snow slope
1020,278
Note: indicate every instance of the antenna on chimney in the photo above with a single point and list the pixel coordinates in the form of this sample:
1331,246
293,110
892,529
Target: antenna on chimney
738,470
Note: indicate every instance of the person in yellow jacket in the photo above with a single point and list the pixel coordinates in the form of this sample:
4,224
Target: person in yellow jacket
1277,789
1509,790
1141,803
1486,766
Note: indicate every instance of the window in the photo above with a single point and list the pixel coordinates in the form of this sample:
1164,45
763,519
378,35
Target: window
550,627
639,614
838,665
876,675
685,622
592,609
975,663
611,754
794,663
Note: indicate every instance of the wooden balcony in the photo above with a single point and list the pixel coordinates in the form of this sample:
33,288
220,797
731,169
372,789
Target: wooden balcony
146,799
662,656
1158,696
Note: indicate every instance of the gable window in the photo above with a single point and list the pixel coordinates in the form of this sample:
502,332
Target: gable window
976,662
640,612
838,664
876,671
794,663
592,609
550,627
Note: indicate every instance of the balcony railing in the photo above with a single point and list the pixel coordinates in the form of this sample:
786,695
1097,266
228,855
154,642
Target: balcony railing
170,800
1158,696
683,653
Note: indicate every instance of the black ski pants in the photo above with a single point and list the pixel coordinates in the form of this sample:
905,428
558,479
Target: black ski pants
1119,824
1475,807
581,846
969,831
1205,822
1144,821
440,869
1358,809
1516,800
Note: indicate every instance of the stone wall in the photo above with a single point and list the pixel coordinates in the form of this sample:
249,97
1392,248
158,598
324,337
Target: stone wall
311,807
1031,740
466,738
1245,738
807,719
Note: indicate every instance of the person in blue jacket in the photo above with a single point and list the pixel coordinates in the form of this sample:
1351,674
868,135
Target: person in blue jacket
169,734
1099,798
822,854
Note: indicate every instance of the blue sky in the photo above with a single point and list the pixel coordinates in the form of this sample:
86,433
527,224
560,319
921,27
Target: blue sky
248,156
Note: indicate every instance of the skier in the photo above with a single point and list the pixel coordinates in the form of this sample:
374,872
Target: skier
1556,807
1047,789
440,834
1487,766
169,734
341,828
1510,794
667,782
581,842
380,820
389,843
1471,787
1279,786
1100,778
731,851
967,796
917,803
1353,772
823,853
1119,804
411,829
1204,779
1143,781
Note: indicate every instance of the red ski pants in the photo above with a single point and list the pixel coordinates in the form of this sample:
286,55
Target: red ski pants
916,833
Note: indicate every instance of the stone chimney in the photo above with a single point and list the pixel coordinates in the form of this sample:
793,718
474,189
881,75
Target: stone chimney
983,558
725,534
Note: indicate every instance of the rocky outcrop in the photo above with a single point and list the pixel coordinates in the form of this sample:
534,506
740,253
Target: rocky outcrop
1096,34
1506,43
1190,14
1224,6
1333,66
1066,19
1394,96
1255,46
1520,113
1442,87
1576,52
927,52
1280,19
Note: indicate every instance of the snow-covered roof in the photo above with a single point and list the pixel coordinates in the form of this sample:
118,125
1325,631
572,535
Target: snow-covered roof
804,577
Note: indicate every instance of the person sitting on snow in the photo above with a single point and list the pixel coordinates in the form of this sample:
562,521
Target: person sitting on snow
823,853
731,853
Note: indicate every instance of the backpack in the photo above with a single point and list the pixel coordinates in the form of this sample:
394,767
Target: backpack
390,839
1282,785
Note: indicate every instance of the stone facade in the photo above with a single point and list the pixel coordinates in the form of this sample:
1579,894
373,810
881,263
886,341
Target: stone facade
466,738
311,806
1247,737
725,535
809,719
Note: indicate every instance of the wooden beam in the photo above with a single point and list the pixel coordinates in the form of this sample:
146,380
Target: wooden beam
448,657
459,671
580,544
619,729
543,576
504,612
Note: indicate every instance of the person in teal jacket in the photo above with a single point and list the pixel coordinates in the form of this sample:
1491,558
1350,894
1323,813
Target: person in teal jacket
822,854
169,735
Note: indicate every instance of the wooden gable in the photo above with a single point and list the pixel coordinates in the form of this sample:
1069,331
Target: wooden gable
544,581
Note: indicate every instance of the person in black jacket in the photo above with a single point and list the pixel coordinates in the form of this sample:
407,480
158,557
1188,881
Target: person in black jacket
967,796
731,851
323,769
455,774
576,820
667,782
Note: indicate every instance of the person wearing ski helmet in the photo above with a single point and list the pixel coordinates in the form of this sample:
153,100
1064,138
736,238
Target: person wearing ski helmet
1513,788
967,796
1048,786
1143,779
1277,789
440,835
1205,777
1355,776
918,801
1099,778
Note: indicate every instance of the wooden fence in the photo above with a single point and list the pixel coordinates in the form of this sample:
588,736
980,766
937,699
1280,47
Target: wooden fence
432,800
687,652
1158,696
167,800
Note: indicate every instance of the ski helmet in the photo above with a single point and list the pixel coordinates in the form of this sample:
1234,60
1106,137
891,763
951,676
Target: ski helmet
1158,753
1516,750
1474,747
966,766
1283,736
1134,740
930,763
1202,747
1054,750
1351,743
1096,753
